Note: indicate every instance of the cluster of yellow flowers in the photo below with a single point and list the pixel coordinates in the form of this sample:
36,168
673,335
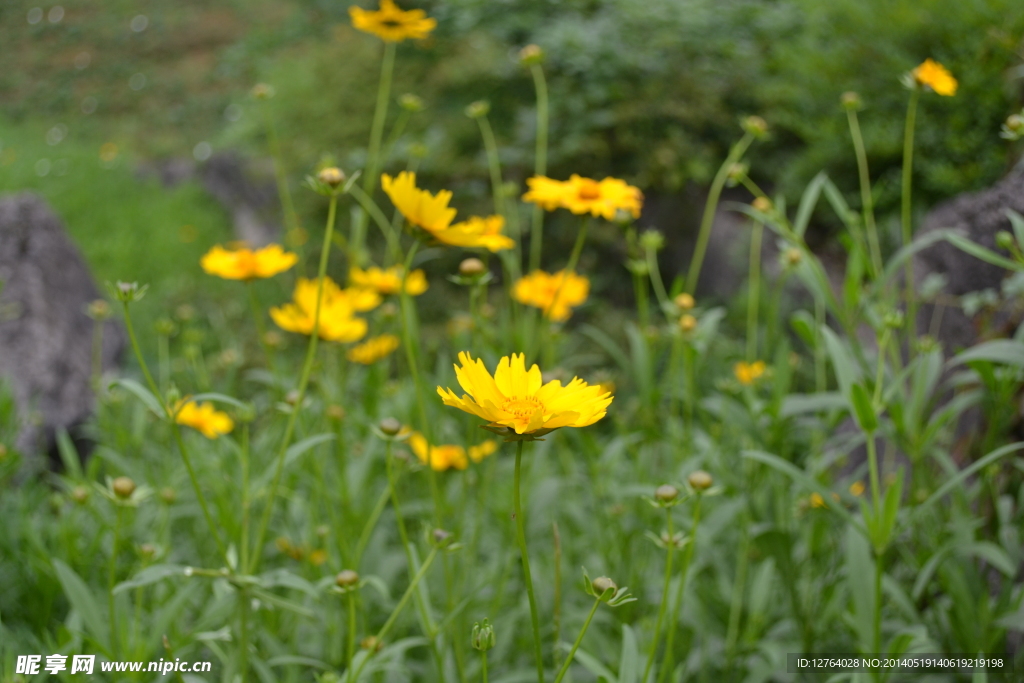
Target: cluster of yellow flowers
449,456
338,322
202,417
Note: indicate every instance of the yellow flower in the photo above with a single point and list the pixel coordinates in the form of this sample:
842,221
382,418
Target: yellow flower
441,458
203,417
372,350
477,232
856,488
932,74
580,195
388,281
240,263
817,501
337,320
514,402
391,24
685,301
428,211
540,289
748,373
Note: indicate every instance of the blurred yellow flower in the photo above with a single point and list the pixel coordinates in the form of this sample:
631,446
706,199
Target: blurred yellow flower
337,320
684,301
391,24
441,458
203,417
856,488
932,74
580,195
514,401
540,289
240,263
748,373
372,350
477,232
388,281
817,501
425,210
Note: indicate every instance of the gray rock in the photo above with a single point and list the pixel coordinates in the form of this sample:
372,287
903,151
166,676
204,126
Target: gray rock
248,192
46,337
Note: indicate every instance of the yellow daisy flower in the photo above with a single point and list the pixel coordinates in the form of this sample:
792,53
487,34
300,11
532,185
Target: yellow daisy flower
337,320
540,289
241,263
425,210
545,192
935,76
372,350
748,373
388,281
391,24
203,417
441,458
514,402
477,232
581,195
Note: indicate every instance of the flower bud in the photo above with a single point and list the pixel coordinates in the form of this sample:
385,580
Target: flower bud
147,551
893,319
80,495
483,636
262,91
478,109
793,257
851,100
472,267
440,536
762,204
98,310
372,643
530,55
335,412
666,493
128,292
1004,240
687,323
652,240
1013,127
411,103
737,172
292,397
756,126
390,426
185,312
700,480
602,584
684,301
123,487
346,579
164,327
322,530
332,176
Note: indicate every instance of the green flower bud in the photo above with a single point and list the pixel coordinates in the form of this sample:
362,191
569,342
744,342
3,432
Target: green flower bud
123,487
478,109
666,493
346,579
530,55
483,636
390,426
700,480
411,103
851,101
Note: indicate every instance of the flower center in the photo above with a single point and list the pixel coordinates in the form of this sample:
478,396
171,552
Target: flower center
391,23
521,407
589,191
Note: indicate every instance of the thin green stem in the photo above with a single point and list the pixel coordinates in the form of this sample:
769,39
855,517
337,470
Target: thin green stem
199,494
371,523
371,207
664,597
527,577
883,342
139,357
261,329
754,294
243,640
669,658
111,579
876,495
735,607
655,274
307,367
540,163
579,639
483,665
866,200
245,457
735,154
556,617
493,164
350,637
905,215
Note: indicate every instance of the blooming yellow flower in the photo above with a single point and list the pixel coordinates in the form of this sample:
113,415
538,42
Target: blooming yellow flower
857,488
203,417
372,350
581,195
477,232
937,77
441,458
391,24
388,281
540,289
240,263
748,373
337,320
428,211
514,402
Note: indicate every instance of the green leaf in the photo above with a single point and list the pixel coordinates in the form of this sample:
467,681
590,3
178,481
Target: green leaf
992,554
629,662
84,603
143,394
69,454
862,409
968,471
219,398
149,576
845,369
608,344
860,573
890,509
808,201
1005,351
978,251
800,404
591,664
1017,221
803,324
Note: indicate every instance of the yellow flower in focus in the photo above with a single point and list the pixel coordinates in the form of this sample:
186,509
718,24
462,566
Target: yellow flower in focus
556,294
581,195
372,350
391,24
241,263
425,210
337,320
515,402
817,501
477,232
388,281
441,458
857,488
937,77
748,373
203,417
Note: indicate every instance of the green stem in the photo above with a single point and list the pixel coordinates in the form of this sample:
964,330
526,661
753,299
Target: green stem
883,342
708,218
199,493
390,234
493,164
243,641
664,598
556,618
261,329
866,200
673,621
540,164
138,356
527,577
655,274
905,206
735,607
244,542
754,296
579,639
876,499
483,665
350,637
371,523
111,579
307,366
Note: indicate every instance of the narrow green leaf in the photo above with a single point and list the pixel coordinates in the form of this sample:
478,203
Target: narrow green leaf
863,410
84,603
143,394
629,662
149,576
968,471
808,201
1005,351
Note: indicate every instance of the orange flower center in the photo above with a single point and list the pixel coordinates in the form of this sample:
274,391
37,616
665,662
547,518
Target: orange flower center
390,23
521,407
590,191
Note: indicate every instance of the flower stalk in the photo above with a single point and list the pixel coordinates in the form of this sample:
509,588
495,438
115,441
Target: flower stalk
527,577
